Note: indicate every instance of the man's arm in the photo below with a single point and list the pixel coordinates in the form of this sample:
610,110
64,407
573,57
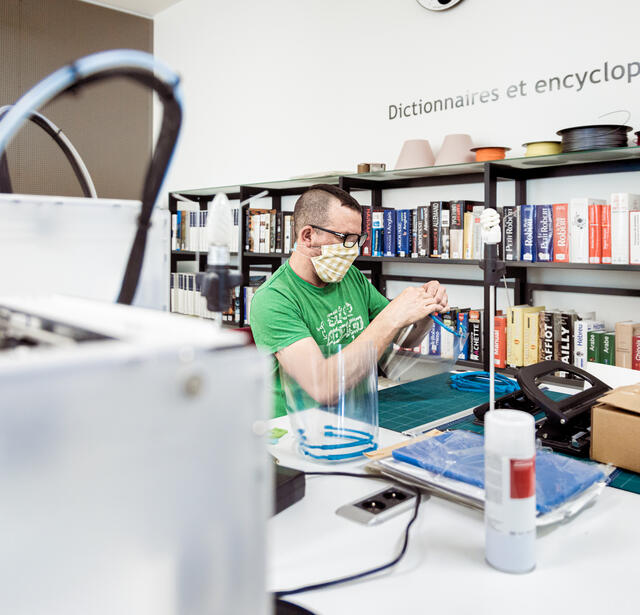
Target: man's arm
304,361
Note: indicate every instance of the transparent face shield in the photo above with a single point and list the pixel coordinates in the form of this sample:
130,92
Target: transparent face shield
334,409
429,347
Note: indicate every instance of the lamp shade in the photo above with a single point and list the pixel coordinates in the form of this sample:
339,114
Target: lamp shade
415,153
456,149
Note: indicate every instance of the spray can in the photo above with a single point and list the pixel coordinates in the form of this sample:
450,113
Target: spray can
510,490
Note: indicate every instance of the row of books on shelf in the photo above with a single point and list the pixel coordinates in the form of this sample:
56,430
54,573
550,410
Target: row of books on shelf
526,335
584,230
189,230
186,298
269,231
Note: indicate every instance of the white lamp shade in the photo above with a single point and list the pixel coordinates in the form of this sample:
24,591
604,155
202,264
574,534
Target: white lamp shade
455,150
415,153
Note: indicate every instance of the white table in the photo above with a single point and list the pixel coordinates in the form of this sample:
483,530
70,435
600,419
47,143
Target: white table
590,564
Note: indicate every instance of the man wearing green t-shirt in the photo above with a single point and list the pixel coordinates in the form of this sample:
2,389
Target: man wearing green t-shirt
318,299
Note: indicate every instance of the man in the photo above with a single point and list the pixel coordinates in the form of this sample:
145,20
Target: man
317,298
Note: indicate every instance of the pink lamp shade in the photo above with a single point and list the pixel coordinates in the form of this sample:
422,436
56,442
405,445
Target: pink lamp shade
455,150
415,153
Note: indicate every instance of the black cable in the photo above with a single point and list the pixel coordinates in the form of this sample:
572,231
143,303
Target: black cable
359,575
171,120
54,132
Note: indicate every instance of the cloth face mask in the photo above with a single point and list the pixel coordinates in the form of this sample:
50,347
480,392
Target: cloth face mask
334,262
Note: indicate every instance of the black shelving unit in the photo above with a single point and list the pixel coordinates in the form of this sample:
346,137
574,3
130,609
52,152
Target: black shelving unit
519,171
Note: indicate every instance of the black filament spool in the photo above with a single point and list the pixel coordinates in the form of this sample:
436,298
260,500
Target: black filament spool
599,136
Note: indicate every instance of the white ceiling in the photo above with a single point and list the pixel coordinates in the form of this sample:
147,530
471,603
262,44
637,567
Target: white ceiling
146,8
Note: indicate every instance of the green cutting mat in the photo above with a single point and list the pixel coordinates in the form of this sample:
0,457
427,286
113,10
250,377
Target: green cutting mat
409,405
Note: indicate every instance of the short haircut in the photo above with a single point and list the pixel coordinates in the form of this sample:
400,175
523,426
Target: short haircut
313,205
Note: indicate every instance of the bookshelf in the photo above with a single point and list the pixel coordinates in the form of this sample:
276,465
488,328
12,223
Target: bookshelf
516,170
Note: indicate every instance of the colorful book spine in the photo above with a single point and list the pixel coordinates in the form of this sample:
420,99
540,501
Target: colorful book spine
436,228
581,329
500,342
445,231
476,233
565,347
527,233
595,234
389,235
377,230
561,233
463,329
367,215
531,338
608,350
509,233
467,236
434,343
594,346
605,217
635,354
414,233
403,232
544,233
475,335
456,243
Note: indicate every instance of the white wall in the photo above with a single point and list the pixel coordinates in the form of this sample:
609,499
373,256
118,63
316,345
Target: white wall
278,89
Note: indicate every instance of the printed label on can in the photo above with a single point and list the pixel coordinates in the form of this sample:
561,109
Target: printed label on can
523,478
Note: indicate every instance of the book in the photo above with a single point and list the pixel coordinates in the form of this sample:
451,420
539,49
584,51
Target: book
561,233
450,319
565,347
580,330
476,233
389,234
377,230
527,233
635,353
634,237
595,233
475,335
434,338
456,241
414,233
621,204
467,235
510,235
445,230
500,342
515,333
436,227
608,349
594,346
463,329
531,338
403,232
579,228
543,220
424,230
367,213
549,330
605,218
625,332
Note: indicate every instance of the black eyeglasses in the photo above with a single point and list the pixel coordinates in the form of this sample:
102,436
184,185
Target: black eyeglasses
348,240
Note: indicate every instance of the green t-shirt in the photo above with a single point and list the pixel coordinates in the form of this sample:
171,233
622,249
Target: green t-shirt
286,309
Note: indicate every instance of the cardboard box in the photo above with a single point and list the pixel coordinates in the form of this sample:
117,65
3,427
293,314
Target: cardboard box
615,428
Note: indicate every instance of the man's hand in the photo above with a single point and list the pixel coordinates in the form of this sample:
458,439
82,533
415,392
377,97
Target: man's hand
439,293
411,305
